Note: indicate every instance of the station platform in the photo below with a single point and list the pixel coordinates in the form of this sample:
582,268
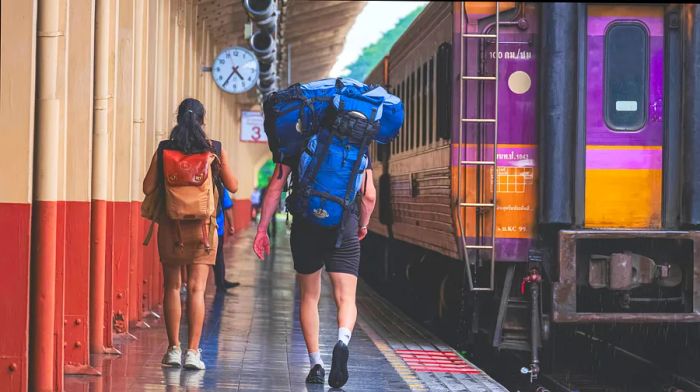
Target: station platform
252,341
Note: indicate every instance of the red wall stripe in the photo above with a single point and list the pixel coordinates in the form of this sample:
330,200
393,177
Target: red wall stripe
242,210
109,275
77,283
136,260
15,235
43,301
121,252
60,294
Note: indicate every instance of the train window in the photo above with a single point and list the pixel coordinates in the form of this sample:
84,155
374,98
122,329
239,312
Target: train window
412,98
444,91
419,107
407,122
424,107
431,101
404,129
626,76
396,141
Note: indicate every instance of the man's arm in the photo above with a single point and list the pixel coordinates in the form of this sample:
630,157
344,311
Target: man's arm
228,215
261,245
369,199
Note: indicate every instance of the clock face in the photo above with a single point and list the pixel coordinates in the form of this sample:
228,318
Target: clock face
235,70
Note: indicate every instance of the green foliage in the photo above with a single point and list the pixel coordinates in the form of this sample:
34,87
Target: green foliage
265,173
371,55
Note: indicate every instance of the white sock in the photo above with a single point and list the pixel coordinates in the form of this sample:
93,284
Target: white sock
315,359
344,335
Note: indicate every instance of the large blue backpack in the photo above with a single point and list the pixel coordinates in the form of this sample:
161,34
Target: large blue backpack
327,128
294,114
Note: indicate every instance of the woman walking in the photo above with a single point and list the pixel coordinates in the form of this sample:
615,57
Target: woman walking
183,242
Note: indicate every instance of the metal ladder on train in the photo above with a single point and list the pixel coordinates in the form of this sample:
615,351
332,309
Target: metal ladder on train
483,205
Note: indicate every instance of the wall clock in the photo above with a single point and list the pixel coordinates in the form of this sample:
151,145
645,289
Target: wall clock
235,70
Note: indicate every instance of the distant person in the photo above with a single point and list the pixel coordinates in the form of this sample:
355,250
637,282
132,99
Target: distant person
224,221
312,248
184,159
255,201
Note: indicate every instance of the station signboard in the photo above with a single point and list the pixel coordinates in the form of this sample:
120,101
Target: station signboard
252,130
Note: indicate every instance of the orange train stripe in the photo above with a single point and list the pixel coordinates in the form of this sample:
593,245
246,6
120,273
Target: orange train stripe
625,11
623,198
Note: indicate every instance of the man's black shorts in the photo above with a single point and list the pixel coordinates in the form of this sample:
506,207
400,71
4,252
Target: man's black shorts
313,247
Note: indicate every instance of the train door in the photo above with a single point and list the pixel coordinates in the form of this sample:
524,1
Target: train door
624,116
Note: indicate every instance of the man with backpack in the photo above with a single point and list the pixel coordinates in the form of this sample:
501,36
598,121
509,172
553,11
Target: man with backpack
312,248
320,133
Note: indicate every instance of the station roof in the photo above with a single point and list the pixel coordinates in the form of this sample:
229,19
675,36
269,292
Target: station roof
314,30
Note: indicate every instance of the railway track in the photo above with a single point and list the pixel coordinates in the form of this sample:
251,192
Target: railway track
607,367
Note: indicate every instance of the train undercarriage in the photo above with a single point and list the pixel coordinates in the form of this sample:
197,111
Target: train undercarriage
633,293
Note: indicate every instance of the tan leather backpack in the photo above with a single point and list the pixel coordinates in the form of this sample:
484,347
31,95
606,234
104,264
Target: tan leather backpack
189,191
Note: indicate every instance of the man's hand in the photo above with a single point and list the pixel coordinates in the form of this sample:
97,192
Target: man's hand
362,232
261,244
230,229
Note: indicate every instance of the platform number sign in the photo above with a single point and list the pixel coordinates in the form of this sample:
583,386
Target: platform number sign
235,70
252,127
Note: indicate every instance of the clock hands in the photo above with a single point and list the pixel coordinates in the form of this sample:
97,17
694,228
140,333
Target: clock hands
227,79
235,70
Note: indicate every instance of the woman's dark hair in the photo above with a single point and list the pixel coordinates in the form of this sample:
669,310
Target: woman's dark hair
188,135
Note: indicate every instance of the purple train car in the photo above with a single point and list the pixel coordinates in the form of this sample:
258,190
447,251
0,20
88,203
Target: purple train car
548,170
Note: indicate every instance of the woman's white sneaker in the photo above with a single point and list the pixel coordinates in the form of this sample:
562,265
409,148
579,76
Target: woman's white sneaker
193,360
173,357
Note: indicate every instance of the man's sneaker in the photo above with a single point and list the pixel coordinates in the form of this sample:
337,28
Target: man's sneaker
193,360
173,357
316,375
339,366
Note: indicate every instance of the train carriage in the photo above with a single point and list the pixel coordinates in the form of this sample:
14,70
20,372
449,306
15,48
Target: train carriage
551,148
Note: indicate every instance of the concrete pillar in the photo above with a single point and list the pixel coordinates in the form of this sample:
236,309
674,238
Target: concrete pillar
17,68
123,146
79,106
137,161
104,15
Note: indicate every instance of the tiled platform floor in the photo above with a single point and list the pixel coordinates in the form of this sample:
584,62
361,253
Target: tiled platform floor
252,341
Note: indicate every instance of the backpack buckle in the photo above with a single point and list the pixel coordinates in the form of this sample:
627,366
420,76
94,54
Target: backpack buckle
357,114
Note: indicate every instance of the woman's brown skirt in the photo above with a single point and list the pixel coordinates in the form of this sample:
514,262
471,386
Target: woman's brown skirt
193,251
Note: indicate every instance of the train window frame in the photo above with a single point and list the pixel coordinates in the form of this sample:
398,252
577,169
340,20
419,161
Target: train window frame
613,124
424,106
395,142
402,131
407,123
419,107
431,100
443,93
412,93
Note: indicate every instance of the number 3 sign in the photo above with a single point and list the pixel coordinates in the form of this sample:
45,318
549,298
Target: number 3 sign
252,127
